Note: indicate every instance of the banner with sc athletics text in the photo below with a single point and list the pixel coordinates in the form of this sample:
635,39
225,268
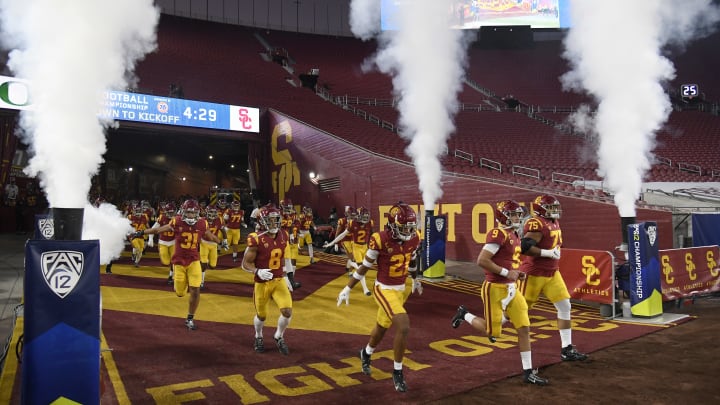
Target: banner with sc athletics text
61,352
688,271
588,274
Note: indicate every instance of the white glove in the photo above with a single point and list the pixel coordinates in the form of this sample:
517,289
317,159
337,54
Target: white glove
354,265
244,225
336,248
552,253
417,286
264,274
151,241
326,245
292,238
289,284
344,296
225,245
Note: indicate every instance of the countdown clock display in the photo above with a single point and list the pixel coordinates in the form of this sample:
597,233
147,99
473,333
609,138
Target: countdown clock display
16,94
138,107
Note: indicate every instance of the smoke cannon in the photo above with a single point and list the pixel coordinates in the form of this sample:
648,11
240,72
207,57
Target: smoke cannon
624,223
67,223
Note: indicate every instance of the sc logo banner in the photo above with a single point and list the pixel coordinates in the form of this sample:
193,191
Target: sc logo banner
61,270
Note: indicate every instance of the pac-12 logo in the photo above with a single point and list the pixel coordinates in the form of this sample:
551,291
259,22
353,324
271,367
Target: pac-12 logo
61,270
47,229
163,107
652,234
439,224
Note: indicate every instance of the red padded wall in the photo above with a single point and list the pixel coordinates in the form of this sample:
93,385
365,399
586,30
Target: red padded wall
377,182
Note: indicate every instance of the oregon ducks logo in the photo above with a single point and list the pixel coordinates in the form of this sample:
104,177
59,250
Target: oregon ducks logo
61,270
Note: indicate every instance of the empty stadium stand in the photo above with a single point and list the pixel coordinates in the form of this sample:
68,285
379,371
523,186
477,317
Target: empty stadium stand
226,63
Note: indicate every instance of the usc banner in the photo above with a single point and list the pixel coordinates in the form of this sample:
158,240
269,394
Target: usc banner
588,274
688,271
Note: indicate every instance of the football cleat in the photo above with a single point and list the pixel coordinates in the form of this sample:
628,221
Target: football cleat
259,345
459,316
365,362
190,324
531,377
568,353
282,346
170,280
399,381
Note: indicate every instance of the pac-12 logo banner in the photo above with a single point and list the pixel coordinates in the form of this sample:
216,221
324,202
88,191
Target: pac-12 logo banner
434,244
61,330
62,270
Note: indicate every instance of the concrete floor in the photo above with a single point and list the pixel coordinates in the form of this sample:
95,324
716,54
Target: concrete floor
12,269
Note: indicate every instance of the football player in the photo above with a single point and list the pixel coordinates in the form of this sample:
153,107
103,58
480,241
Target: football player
263,257
208,248
291,225
305,235
166,240
235,220
500,259
188,228
139,221
346,241
541,241
360,228
395,252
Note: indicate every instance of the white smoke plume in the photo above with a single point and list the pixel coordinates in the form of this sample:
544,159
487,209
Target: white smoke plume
107,224
70,52
615,49
365,18
427,60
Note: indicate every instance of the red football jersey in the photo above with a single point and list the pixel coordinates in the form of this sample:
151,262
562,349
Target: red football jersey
164,219
270,251
187,240
551,237
508,256
306,222
361,232
235,218
139,222
394,257
342,224
214,226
